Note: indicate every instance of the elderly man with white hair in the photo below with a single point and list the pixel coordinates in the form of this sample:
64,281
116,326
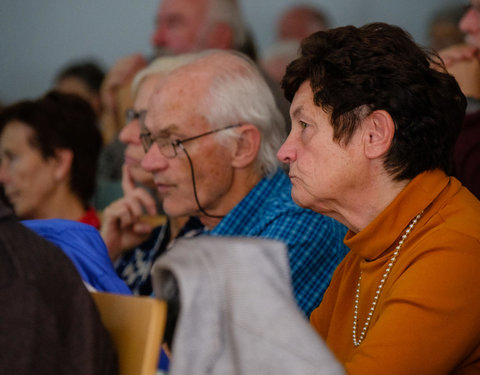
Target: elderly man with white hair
211,134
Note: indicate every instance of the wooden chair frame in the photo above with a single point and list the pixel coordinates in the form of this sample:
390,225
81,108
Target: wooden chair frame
136,325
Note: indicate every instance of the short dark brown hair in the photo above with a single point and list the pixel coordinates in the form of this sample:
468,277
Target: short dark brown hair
89,72
355,71
62,121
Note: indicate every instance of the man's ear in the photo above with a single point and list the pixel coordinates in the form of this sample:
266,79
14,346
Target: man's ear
220,36
379,129
62,163
246,146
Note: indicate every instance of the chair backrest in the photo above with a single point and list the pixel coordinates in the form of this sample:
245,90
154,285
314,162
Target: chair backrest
136,325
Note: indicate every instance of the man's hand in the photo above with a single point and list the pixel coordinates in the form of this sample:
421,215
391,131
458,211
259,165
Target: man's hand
457,53
116,96
122,225
462,62
119,75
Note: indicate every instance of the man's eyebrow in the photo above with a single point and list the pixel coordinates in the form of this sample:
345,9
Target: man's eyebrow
173,128
166,132
163,132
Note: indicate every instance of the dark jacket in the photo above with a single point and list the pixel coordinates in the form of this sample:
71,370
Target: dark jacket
49,323
466,154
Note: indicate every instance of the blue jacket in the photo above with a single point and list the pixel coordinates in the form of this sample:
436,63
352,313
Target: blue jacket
84,246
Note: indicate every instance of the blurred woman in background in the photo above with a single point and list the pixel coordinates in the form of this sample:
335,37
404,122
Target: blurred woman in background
49,151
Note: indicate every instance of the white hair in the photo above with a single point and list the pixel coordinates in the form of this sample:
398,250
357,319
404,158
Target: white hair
239,94
164,65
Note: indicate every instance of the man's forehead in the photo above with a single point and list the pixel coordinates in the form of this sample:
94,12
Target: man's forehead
169,109
189,81
176,87
161,124
179,96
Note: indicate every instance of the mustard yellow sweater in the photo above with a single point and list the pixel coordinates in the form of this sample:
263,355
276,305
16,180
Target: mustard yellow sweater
427,319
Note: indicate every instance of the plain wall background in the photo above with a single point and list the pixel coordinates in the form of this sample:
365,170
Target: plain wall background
38,37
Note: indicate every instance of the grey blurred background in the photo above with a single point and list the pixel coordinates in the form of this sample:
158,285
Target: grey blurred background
40,36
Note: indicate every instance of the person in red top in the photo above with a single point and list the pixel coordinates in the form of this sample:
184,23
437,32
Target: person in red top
375,119
49,150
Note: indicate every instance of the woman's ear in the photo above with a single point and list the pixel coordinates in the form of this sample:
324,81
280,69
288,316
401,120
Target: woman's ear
379,129
246,146
62,163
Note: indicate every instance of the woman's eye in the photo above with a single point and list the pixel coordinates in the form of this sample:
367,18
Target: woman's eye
304,125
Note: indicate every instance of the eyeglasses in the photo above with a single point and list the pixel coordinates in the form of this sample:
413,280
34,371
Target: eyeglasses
167,147
131,114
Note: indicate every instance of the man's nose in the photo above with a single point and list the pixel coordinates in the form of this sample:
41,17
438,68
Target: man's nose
130,133
154,160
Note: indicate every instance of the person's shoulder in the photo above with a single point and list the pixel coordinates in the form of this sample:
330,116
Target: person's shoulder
459,216
280,191
56,225
27,254
81,242
280,195
66,233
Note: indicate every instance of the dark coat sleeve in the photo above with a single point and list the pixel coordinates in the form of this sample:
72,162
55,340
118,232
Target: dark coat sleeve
49,323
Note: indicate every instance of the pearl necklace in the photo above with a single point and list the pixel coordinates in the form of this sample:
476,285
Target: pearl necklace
379,289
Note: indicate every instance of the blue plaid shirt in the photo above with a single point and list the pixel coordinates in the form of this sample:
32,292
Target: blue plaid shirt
315,242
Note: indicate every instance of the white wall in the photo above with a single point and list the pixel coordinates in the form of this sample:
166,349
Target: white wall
39,36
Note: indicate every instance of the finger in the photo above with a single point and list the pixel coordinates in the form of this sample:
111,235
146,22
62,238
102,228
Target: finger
135,204
458,53
146,200
142,228
127,68
129,212
128,183
116,217
136,63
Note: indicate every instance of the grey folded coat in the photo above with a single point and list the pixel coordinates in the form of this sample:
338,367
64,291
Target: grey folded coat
237,310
